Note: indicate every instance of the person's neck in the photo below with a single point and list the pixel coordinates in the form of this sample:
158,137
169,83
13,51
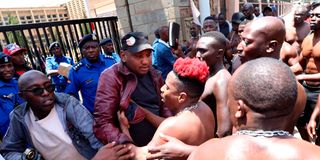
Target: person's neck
216,68
316,33
266,124
20,68
40,114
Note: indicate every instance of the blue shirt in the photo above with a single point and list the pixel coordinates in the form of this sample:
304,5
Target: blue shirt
52,63
84,76
116,57
163,58
9,98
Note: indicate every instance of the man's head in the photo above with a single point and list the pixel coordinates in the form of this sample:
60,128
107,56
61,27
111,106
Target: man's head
211,48
107,46
256,11
136,53
247,10
164,33
89,46
221,19
267,11
185,84
209,24
156,33
6,67
55,49
315,19
262,37
300,14
37,90
263,89
195,30
236,19
16,53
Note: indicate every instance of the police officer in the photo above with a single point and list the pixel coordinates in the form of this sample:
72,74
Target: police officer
84,76
108,49
52,65
8,91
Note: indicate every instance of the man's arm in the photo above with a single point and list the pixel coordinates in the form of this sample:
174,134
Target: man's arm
112,151
49,67
308,77
105,110
15,140
73,86
223,116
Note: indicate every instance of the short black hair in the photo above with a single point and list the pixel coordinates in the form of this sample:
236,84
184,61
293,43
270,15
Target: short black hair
266,85
209,18
218,36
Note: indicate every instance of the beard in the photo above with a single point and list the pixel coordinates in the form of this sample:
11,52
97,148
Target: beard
313,27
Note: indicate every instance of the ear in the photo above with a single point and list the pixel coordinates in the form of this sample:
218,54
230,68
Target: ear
182,97
123,56
21,95
220,53
272,46
240,109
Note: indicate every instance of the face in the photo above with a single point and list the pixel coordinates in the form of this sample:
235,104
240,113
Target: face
91,51
235,27
256,11
241,29
6,71
252,45
247,11
315,19
209,25
56,51
194,30
207,51
108,48
164,34
221,19
170,94
39,99
299,17
18,58
267,13
139,63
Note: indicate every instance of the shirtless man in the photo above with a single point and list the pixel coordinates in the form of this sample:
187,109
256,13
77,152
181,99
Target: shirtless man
193,123
211,48
261,129
308,66
297,30
261,38
192,42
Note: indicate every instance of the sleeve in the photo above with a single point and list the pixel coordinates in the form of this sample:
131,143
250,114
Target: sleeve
73,85
49,64
167,56
106,106
83,120
14,142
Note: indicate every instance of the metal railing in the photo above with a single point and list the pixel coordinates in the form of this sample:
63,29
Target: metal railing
37,37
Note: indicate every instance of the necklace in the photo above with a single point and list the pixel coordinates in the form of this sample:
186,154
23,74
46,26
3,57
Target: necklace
195,106
262,133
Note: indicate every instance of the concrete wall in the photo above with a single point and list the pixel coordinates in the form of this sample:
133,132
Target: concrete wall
148,15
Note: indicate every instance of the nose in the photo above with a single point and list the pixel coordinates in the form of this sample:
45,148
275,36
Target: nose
162,89
198,55
240,47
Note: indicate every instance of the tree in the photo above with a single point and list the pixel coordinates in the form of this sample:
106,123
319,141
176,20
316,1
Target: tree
13,20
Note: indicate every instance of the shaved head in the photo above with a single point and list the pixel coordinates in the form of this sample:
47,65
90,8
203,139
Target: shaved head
26,78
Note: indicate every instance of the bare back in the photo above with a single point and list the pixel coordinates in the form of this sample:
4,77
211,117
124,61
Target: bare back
247,147
310,59
191,127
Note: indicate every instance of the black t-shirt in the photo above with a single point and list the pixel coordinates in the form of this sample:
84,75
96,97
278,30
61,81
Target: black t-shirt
145,95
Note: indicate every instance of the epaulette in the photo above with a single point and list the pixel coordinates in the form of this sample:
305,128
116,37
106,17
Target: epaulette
77,66
110,57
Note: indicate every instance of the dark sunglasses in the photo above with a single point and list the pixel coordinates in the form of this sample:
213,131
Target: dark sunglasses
39,90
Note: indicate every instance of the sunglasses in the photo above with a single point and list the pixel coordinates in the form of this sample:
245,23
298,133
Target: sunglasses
39,90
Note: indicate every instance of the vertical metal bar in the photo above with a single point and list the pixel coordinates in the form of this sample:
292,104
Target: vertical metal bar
27,46
51,33
96,31
46,38
73,42
114,37
86,27
6,37
99,26
41,44
81,30
36,50
68,48
15,38
60,40
108,27
78,39
105,29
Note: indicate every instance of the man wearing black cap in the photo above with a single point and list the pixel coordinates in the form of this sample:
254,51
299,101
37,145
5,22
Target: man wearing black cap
131,86
8,91
107,47
247,10
84,75
52,65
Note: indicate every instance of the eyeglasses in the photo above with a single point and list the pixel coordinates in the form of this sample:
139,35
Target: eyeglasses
39,90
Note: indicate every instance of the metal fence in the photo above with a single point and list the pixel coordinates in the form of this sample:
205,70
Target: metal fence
37,37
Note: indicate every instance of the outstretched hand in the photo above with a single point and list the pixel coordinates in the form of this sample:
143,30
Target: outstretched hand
112,151
124,123
311,128
172,149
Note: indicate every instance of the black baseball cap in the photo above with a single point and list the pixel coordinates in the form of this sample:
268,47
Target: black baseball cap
135,42
4,58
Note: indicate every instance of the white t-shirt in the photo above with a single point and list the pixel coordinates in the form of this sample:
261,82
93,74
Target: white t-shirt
49,137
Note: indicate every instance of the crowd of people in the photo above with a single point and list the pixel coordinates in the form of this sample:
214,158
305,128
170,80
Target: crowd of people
242,90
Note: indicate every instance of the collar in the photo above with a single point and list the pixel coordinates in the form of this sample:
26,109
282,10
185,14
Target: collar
88,64
262,133
163,42
12,82
123,69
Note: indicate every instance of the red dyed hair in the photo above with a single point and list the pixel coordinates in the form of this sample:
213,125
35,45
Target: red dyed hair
191,68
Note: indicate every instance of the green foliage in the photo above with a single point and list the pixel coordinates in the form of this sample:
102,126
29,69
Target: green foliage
12,20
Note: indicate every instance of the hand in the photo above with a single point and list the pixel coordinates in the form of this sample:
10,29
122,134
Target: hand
112,151
311,128
300,77
172,149
178,51
124,123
